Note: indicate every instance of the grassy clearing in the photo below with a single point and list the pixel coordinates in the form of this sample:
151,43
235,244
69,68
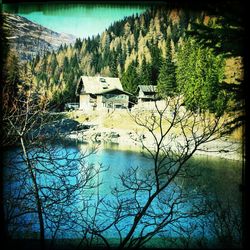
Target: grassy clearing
122,119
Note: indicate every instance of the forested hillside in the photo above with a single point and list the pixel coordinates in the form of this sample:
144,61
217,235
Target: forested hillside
153,48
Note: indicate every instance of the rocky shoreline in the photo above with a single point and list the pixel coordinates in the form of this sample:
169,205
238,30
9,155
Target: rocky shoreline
127,139
130,140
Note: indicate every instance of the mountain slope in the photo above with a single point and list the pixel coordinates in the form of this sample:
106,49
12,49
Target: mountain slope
132,49
29,38
141,49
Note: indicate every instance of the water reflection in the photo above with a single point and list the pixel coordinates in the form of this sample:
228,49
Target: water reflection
210,178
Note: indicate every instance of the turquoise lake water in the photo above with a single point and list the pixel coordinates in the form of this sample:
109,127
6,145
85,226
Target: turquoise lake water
214,178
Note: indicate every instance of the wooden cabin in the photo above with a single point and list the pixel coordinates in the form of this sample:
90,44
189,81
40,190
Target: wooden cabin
146,93
101,92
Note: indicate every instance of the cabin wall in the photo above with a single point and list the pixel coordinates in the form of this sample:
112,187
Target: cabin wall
99,102
104,101
114,100
85,102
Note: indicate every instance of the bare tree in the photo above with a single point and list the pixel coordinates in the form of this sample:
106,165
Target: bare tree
60,191
224,223
43,178
150,201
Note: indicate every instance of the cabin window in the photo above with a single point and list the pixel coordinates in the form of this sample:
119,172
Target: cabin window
102,80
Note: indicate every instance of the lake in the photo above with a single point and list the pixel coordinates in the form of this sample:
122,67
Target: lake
211,179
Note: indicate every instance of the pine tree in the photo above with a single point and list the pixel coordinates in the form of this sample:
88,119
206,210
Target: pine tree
130,79
53,63
145,73
74,62
78,44
166,83
156,63
199,73
60,48
113,65
66,67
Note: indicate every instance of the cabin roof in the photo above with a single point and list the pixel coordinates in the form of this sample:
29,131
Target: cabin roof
114,90
147,88
97,84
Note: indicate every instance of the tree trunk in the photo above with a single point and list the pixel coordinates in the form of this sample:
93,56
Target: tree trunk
37,197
